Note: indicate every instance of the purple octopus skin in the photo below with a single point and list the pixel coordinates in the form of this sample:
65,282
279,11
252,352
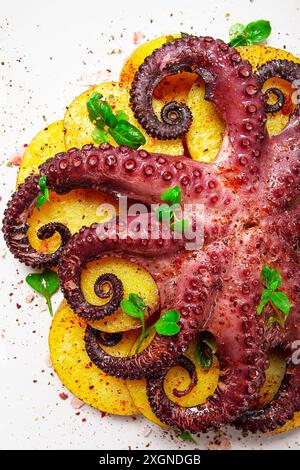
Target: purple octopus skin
248,190
240,340
287,400
138,174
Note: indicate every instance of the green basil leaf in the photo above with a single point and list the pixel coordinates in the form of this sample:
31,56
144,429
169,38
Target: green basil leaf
258,31
186,436
180,226
172,195
100,110
164,213
170,315
239,40
107,114
167,328
45,283
50,280
121,116
261,305
125,133
40,201
271,278
92,107
204,354
137,300
130,309
281,301
43,183
99,136
236,30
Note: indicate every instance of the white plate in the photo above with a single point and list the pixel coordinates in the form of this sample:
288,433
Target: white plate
52,50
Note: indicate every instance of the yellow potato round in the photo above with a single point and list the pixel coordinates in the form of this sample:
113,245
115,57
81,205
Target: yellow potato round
79,374
139,55
206,132
44,145
79,128
134,279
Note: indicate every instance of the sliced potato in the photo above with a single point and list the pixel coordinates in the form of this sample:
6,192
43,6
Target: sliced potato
79,128
139,55
134,278
206,132
79,374
44,145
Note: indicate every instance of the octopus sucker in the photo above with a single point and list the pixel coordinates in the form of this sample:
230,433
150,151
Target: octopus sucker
250,219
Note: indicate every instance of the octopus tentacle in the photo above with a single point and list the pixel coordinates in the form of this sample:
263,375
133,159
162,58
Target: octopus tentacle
15,227
221,67
94,242
241,346
287,400
138,174
196,288
281,179
108,339
284,69
280,410
188,365
275,107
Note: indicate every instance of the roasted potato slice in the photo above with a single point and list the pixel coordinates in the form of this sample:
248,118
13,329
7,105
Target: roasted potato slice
134,278
139,55
79,374
44,145
79,128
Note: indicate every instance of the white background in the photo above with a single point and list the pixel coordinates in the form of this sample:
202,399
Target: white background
52,50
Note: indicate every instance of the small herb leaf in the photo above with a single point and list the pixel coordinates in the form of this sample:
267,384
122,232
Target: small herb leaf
281,301
44,196
204,354
121,116
164,213
255,32
99,136
186,436
125,133
180,226
258,31
166,328
138,301
45,283
235,30
271,278
131,309
171,315
167,323
172,195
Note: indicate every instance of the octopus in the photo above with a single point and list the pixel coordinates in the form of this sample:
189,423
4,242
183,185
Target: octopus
251,218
